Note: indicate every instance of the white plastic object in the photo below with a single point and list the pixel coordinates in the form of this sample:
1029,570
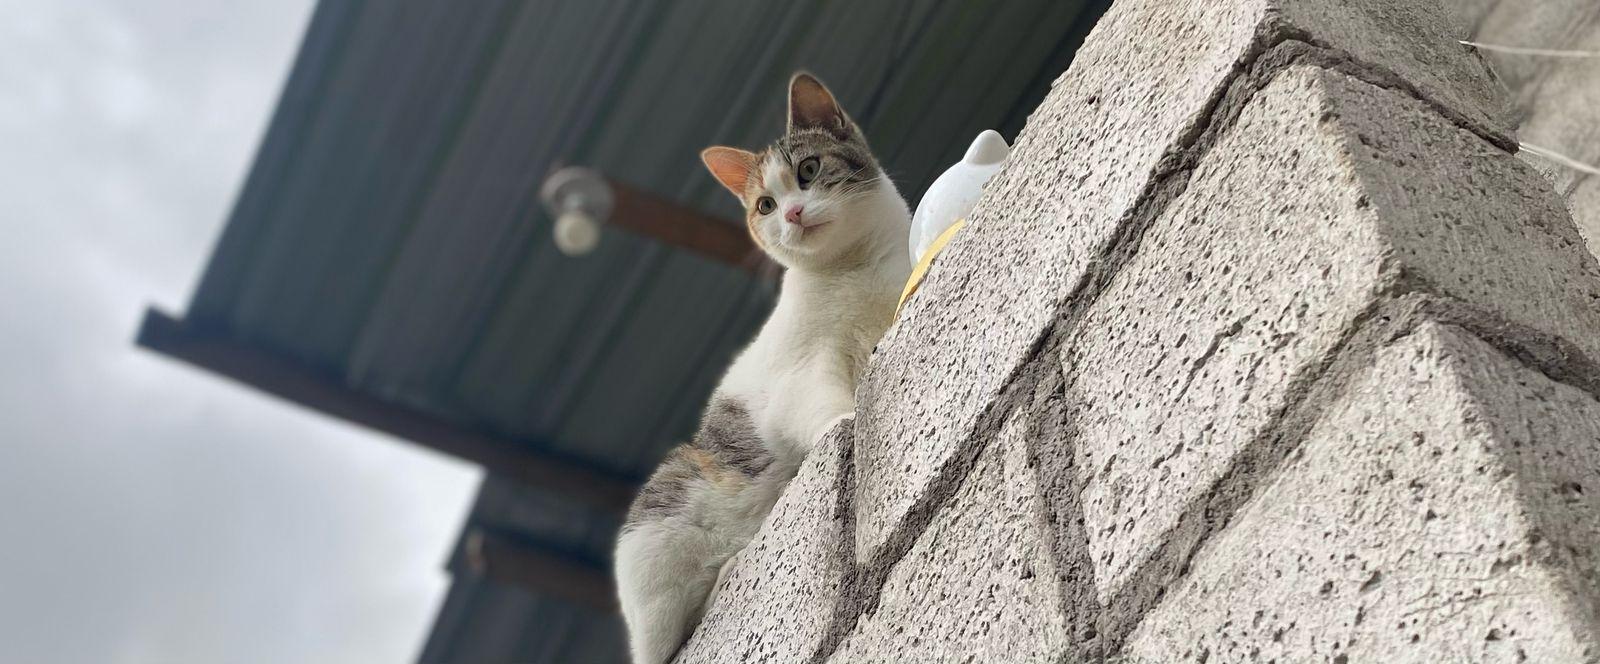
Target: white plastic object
953,194
576,233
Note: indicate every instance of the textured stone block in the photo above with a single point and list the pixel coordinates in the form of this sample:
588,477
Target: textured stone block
1560,96
977,585
1327,197
1444,510
1098,153
1415,41
1097,139
1563,107
1467,220
1206,239
1585,205
776,600
1554,24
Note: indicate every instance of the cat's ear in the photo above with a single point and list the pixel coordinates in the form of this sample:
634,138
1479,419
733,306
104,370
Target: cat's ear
730,166
812,106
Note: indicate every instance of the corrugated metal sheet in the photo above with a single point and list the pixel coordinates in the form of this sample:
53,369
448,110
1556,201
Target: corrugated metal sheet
487,623
389,231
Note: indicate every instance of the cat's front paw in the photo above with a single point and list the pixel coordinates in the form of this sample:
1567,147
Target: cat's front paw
829,425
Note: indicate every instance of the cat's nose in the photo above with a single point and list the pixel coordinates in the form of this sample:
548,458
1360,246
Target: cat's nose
793,214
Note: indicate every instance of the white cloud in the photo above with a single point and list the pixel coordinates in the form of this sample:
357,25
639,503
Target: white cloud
150,512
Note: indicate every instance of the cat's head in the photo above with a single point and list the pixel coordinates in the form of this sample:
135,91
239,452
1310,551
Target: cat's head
816,199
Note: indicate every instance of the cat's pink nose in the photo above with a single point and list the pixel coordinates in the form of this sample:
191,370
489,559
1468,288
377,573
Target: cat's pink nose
793,214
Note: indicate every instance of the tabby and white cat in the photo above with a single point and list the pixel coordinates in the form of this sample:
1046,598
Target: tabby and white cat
819,204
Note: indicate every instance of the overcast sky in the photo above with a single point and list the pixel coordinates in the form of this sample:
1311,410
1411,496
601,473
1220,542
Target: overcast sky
150,512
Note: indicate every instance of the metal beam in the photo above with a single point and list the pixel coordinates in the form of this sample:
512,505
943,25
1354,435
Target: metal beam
534,568
319,390
579,199
676,224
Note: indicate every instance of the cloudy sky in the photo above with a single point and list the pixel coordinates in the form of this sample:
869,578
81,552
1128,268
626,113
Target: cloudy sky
150,512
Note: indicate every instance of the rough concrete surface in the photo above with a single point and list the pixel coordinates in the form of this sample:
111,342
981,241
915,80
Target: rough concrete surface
1252,275
1557,99
1158,401
1551,24
1414,44
1413,525
977,585
1085,157
1584,202
1298,220
774,604
1562,109
1099,157
1467,221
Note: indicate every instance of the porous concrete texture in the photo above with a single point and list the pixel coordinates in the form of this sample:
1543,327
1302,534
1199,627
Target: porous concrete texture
978,582
1557,99
1103,152
1243,251
1100,139
1415,523
1403,44
1351,193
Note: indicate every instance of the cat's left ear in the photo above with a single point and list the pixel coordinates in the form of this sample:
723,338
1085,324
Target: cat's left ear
730,166
812,106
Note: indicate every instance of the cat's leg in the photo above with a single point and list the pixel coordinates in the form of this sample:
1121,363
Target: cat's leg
830,424
835,390
834,405
716,586
665,572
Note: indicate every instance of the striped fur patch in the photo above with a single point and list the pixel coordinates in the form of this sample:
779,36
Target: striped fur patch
726,452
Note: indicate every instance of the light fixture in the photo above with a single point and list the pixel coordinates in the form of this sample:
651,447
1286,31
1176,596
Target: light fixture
580,200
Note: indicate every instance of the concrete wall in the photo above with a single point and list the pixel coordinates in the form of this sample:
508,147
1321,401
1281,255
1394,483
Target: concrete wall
1264,346
1557,99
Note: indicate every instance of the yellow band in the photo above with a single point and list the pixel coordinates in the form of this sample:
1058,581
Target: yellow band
921,270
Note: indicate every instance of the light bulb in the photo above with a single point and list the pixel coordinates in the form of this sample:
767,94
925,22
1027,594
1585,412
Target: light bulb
576,233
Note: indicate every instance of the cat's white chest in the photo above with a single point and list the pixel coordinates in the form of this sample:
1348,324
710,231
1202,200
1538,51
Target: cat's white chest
806,401
793,400
798,375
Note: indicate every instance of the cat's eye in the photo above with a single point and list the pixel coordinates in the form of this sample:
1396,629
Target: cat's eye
765,205
808,171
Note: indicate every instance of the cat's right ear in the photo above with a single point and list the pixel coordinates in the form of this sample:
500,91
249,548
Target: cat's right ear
812,106
730,166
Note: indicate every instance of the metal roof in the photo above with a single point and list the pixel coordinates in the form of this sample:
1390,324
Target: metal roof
389,241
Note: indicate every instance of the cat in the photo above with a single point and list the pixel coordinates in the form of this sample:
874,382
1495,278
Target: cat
819,204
